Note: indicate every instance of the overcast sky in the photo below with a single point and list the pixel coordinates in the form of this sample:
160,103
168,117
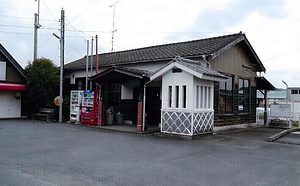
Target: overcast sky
271,26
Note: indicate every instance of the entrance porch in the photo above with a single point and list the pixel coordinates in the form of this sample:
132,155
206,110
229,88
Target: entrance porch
122,93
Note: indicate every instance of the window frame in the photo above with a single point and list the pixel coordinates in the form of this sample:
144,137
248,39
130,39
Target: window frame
229,94
294,91
242,95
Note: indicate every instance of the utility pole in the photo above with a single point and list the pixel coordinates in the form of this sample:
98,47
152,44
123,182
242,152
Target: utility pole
113,30
62,55
97,57
92,61
87,64
36,27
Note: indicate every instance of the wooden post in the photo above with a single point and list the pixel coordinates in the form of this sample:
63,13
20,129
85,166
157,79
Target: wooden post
140,117
265,110
140,108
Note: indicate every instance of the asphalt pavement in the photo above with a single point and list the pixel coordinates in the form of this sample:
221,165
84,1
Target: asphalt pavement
43,153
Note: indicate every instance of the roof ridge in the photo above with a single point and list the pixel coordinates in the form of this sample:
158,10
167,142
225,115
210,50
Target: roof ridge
173,43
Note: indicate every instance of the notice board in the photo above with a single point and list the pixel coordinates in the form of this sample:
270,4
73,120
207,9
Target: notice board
280,110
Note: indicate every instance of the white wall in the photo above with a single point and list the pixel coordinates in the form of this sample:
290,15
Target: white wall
151,67
10,107
177,79
127,89
293,97
209,102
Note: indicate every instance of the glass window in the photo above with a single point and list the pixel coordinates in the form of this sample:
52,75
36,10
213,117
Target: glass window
295,91
114,96
2,71
244,95
226,96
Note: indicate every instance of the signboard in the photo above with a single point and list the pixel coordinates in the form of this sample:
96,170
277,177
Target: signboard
280,110
57,101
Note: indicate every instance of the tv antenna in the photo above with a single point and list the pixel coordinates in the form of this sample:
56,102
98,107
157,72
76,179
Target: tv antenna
113,30
36,27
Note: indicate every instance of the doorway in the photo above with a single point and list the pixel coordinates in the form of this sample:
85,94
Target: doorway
153,106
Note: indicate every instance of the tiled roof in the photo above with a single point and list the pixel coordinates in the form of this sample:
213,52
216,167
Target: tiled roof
137,73
188,49
198,67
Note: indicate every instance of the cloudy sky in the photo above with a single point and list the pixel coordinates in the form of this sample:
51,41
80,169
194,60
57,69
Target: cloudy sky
271,26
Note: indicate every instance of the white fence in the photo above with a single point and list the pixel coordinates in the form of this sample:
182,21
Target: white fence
186,122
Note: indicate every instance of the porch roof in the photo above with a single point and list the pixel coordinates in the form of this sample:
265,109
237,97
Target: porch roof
263,84
118,74
196,68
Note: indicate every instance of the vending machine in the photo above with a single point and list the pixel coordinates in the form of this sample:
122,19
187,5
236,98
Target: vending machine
75,105
88,115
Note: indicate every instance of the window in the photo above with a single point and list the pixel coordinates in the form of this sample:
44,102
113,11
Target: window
170,96
201,97
184,96
176,70
177,96
244,95
295,91
209,97
197,97
205,97
114,96
2,71
226,96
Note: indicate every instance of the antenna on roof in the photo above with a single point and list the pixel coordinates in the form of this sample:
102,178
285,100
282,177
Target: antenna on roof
113,30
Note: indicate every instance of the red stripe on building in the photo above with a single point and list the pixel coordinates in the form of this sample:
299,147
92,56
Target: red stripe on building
12,86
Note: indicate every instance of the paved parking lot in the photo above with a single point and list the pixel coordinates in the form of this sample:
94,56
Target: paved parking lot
41,153
292,138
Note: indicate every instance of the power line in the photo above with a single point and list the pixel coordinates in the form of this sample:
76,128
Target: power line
52,28
92,4
49,10
28,18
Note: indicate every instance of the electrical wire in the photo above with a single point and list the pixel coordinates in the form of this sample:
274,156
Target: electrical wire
19,17
49,10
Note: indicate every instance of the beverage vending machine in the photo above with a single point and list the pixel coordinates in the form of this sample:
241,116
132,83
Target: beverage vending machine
88,115
75,105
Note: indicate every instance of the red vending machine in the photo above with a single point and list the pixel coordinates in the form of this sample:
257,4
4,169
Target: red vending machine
88,115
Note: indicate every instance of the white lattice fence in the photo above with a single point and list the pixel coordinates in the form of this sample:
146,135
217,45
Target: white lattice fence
203,122
186,123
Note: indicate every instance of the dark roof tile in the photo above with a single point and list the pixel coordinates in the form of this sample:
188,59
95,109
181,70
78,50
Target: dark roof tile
164,52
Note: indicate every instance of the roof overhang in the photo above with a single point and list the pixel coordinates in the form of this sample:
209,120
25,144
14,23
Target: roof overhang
263,84
119,75
257,64
176,63
12,60
13,87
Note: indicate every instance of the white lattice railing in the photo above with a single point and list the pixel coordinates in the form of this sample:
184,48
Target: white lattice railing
186,122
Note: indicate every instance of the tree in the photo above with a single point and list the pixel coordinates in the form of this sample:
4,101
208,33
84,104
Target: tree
42,77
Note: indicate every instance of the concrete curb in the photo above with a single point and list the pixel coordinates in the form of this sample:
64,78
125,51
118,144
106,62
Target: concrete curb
282,133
